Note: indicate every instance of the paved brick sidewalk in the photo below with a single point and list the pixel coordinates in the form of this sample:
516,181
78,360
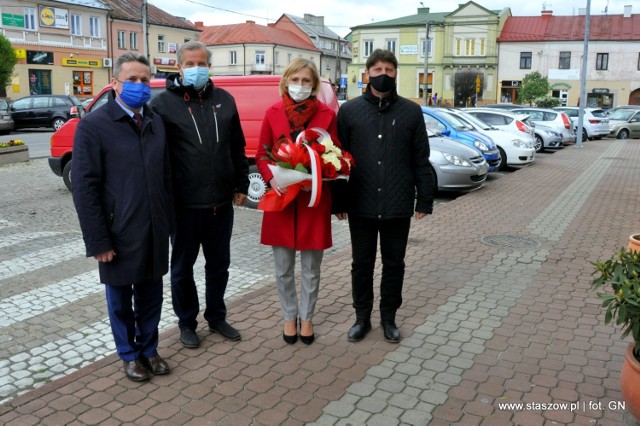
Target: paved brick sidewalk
497,310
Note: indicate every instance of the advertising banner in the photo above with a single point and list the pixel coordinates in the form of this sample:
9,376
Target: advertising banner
53,17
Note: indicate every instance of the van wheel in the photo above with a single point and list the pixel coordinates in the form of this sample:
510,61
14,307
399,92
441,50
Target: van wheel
57,123
257,188
66,175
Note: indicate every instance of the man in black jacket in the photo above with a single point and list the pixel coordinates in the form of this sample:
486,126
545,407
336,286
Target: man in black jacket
387,137
210,175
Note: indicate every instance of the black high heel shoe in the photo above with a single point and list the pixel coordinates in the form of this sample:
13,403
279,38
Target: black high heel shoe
307,340
290,339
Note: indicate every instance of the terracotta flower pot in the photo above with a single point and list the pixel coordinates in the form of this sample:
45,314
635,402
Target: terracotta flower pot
630,383
634,242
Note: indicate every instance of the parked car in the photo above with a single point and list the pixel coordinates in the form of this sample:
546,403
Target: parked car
457,167
619,107
501,106
515,150
253,95
519,124
595,123
443,123
557,120
44,110
625,123
6,122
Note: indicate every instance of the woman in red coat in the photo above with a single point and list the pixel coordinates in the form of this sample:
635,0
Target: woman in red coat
297,227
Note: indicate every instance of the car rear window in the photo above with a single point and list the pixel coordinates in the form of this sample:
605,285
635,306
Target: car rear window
599,113
75,100
59,102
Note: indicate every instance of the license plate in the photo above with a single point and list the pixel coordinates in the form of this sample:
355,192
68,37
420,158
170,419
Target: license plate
6,117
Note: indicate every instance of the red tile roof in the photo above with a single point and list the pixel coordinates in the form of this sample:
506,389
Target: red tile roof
250,32
131,10
570,28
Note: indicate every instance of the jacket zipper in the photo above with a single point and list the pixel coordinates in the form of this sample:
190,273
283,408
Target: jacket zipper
196,125
215,119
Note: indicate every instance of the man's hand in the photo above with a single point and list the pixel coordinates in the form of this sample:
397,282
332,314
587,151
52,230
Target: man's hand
341,216
420,215
239,199
105,257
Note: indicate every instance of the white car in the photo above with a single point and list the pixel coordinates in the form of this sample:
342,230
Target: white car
557,120
515,150
595,123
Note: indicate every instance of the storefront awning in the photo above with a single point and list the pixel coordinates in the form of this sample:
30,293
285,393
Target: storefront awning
167,70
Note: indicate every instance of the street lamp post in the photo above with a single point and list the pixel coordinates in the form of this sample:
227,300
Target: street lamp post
426,59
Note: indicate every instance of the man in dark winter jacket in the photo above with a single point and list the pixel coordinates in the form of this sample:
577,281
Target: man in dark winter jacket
210,175
387,137
122,193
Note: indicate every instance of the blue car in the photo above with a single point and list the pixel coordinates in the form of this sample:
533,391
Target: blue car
441,122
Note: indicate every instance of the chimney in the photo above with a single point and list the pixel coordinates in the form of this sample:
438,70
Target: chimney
271,25
251,22
627,11
199,24
547,13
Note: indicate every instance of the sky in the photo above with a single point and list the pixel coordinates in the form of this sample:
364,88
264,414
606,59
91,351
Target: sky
340,15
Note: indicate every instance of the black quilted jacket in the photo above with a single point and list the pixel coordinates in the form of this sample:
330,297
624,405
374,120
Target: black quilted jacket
389,142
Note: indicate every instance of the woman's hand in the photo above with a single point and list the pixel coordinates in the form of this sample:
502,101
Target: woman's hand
274,185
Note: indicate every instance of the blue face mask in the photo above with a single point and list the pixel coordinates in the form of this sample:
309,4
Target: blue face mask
135,95
195,76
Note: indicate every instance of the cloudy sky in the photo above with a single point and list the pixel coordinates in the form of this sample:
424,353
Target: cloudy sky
340,15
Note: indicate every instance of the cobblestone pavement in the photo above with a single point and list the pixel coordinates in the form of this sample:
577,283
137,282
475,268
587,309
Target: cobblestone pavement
498,312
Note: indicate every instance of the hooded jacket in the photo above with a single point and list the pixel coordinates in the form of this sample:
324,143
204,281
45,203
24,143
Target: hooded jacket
388,140
206,143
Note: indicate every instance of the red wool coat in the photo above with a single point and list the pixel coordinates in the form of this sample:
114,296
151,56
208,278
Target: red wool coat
297,226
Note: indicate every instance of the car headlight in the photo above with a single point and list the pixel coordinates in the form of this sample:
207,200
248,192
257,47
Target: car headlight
480,145
519,143
456,160
552,133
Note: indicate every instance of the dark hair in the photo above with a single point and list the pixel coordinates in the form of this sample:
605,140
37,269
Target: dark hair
192,45
380,55
129,57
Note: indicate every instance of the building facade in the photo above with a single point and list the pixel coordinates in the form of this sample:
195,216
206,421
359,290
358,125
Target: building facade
554,46
249,48
61,46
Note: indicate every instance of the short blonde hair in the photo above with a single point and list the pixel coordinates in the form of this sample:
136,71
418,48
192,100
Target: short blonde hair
296,65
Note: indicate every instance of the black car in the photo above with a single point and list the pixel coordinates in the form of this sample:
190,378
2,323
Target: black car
44,110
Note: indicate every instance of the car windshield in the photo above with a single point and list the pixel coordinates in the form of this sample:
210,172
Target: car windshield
454,121
4,105
473,121
621,114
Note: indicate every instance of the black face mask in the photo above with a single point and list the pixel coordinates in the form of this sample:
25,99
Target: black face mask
382,83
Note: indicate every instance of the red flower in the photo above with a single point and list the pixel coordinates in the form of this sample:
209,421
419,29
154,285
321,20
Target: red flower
344,167
329,171
319,148
311,136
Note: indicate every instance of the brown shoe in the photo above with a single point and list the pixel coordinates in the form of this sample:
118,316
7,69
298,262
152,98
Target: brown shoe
156,365
136,371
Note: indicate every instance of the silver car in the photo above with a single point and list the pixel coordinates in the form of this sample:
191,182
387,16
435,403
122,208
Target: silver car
557,120
595,123
6,122
625,123
457,167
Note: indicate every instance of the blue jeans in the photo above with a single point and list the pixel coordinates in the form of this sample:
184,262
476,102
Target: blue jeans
394,235
212,231
134,315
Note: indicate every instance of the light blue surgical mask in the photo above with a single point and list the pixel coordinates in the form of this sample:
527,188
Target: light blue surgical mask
195,76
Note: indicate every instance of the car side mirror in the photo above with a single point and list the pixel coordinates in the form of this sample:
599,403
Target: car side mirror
445,132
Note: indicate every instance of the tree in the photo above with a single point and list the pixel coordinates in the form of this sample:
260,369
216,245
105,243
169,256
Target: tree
7,64
548,102
534,86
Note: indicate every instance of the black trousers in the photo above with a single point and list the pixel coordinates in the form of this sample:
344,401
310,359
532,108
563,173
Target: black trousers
394,234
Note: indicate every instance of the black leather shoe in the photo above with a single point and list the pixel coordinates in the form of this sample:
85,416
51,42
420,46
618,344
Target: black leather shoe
290,339
225,330
391,332
359,330
189,338
156,365
136,371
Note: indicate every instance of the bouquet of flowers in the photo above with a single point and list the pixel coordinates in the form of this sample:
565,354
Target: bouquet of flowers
304,164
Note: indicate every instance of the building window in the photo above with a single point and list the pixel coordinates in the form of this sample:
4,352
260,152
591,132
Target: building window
83,83
525,60
368,47
430,47
638,61
160,43
458,46
76,28
30,18
259,57
233,57
333,46
94,24
602,61
565,61
482,41
122,40
133,40
289,57
391,45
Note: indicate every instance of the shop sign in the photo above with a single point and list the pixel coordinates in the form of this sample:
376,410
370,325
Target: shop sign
164,61
600,91
39,58
53,17
83,63
559,85
11,20
409,49
20,53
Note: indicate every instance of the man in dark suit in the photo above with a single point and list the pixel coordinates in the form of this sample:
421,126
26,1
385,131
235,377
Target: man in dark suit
121,191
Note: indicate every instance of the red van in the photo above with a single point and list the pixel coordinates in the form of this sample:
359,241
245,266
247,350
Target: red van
253,95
